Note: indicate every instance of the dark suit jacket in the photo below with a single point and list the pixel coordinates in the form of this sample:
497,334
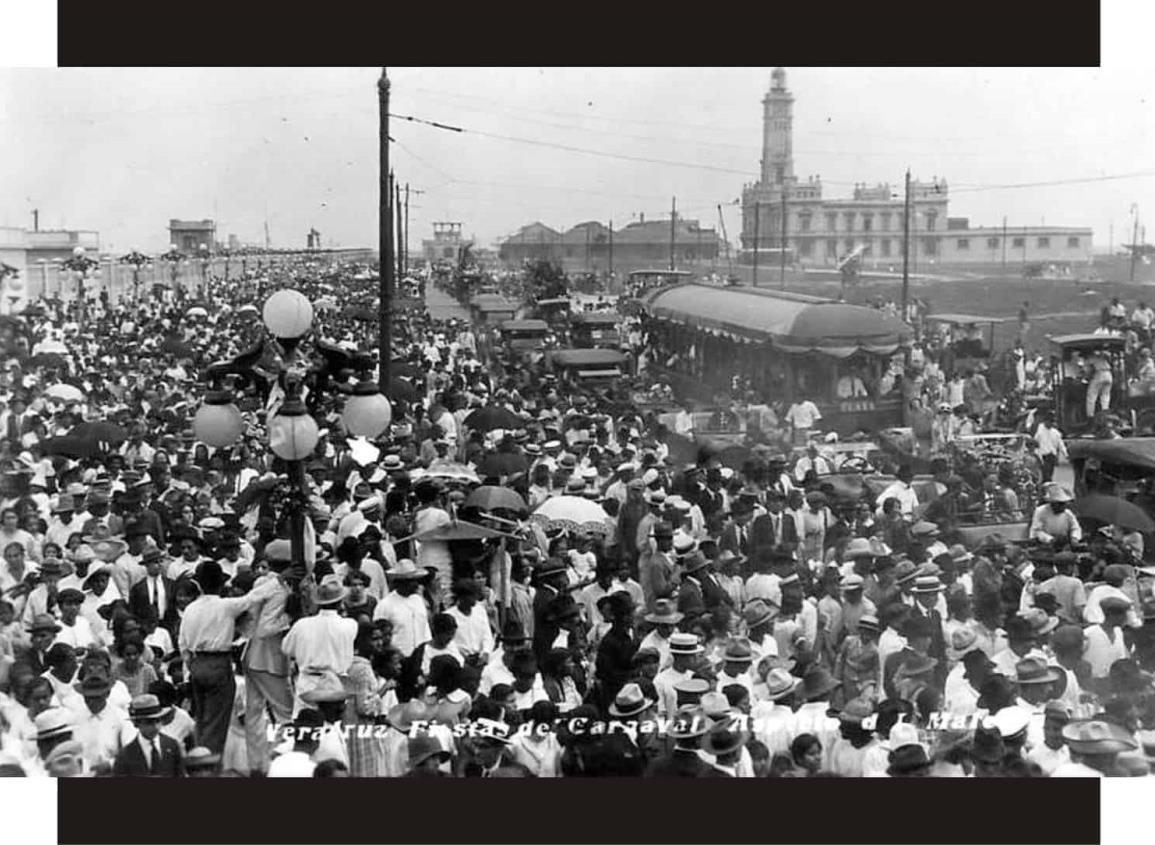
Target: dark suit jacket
762,531
730,541
700,593
130,762
140,607
680,763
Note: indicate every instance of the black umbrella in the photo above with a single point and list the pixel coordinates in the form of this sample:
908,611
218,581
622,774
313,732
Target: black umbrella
683,450
1114,511
401,390
103,434
493,498
404,368
48,359
491,417
501,464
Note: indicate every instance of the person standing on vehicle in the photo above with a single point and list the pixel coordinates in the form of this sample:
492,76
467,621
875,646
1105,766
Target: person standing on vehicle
1051,446
1101,380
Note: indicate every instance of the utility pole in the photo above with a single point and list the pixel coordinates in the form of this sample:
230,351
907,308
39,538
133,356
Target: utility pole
1004,244
1134,240
782,257
587,248
405,240
906,246
611,258
385,242
400,234
673,229
757,210
36,220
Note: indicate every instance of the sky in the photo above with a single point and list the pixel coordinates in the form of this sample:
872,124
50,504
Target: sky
122,151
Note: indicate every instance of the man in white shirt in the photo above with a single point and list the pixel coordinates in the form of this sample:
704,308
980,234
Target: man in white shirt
802,416
1053,521
811,461
684,421
1051,446
405,608
101,728
474,637
684,651
207,632
64,522
321,645
901,490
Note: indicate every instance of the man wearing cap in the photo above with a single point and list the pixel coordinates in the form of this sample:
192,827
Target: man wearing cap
149,753
153,595
98,725
657,572
685,651
1052,521
321,646
207,631
1115,577
1105,641
64,522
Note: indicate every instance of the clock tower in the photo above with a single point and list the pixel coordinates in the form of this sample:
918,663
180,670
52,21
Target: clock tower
777,129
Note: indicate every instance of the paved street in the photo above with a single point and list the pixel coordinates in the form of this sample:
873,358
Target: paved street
442,306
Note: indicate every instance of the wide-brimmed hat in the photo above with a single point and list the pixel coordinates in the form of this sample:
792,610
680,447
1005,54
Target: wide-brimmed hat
694,562
959,554
858,547
51,566
618,603
403,716
738,650
406,570
630,701
1058,493
147,707
870,623
64,504
665,612
818,682
852,581
759,611
104,544
987,745
855,711
549,566
1039,621
927,584
330,591
1096,736
914,665
201,758
908,759
422,747
923,528
780,683
43,622
684,643
904,571
690,721
1034,670
724,737
53,722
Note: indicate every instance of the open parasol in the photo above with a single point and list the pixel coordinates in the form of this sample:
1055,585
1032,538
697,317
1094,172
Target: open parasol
1111,510
66,392
50,346
401,390
572,513
49,359
450,472
493,498
196,311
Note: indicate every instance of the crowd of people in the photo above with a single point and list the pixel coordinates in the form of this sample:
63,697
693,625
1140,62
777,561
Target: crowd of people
610,610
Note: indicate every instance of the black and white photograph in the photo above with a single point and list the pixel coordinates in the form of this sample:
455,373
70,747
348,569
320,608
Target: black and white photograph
577,422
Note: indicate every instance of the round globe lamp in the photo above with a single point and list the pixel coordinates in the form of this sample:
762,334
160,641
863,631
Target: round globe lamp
367,413
218,423
293,434
288,314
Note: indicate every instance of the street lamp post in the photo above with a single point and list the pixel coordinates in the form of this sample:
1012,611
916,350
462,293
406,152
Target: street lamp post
293,433
81,265
174,257
227,253
13,287
137,259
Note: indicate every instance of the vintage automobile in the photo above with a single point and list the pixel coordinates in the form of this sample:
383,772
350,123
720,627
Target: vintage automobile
491,309
589,368
523,338
962,348
1121,466
595,330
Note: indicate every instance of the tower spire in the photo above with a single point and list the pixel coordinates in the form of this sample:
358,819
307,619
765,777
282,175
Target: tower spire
777,132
